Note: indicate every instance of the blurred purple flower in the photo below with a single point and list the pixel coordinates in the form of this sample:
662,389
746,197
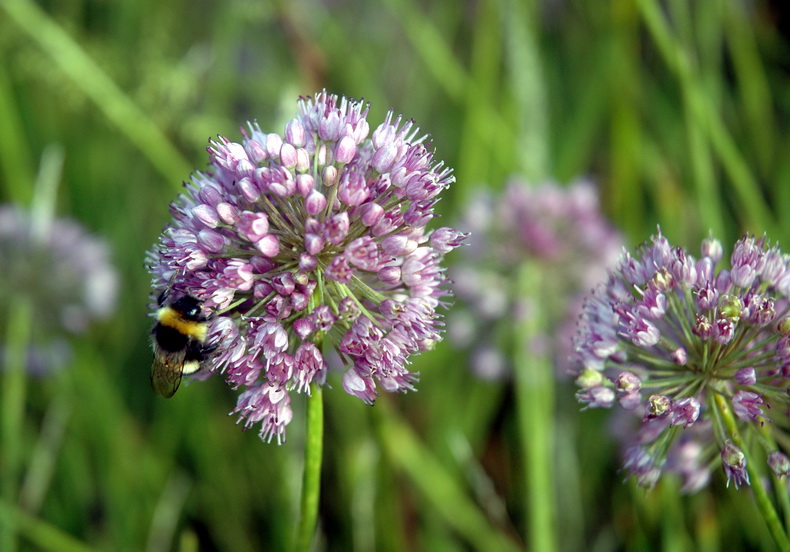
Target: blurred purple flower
691,333
83,289
561,229
310,241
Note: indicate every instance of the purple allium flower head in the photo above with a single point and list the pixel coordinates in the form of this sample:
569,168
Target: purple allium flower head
84,289
559,228
309,241
715,347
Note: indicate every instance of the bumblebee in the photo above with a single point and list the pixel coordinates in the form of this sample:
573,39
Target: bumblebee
179,342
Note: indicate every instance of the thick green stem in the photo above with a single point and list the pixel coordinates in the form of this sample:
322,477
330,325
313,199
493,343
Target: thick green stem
311,483
760,495
534,379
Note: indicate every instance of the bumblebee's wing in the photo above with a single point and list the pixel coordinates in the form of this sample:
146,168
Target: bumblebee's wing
166,372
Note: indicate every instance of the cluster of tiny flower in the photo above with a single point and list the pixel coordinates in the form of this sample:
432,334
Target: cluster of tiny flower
559,228
84,288
311,241
698,351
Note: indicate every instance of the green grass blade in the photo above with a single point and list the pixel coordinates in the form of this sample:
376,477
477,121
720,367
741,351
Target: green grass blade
69,56
436,485
43,535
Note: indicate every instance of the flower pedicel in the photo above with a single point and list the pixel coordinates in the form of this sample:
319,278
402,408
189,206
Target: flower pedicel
702,352
315,240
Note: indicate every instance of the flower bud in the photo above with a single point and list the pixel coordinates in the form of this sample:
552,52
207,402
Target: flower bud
733,461
590,378
779,463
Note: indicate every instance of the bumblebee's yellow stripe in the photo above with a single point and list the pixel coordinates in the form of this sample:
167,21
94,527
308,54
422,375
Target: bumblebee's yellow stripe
172,319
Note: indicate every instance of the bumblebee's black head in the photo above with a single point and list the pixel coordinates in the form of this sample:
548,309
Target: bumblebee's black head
188,307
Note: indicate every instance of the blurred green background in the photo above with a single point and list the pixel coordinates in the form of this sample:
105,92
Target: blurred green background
677,109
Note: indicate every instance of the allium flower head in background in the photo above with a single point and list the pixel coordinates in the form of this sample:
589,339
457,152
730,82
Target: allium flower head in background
311,241
699,351
66,274
561,229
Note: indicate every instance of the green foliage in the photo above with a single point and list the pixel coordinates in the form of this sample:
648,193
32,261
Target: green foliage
676,109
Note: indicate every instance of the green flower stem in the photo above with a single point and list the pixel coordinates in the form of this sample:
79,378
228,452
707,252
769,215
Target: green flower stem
433,481
311,483
13,410
534,381
760,495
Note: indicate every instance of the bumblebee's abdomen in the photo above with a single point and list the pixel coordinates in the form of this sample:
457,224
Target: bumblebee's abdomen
170,339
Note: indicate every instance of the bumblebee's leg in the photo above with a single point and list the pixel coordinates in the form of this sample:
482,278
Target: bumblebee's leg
208,349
